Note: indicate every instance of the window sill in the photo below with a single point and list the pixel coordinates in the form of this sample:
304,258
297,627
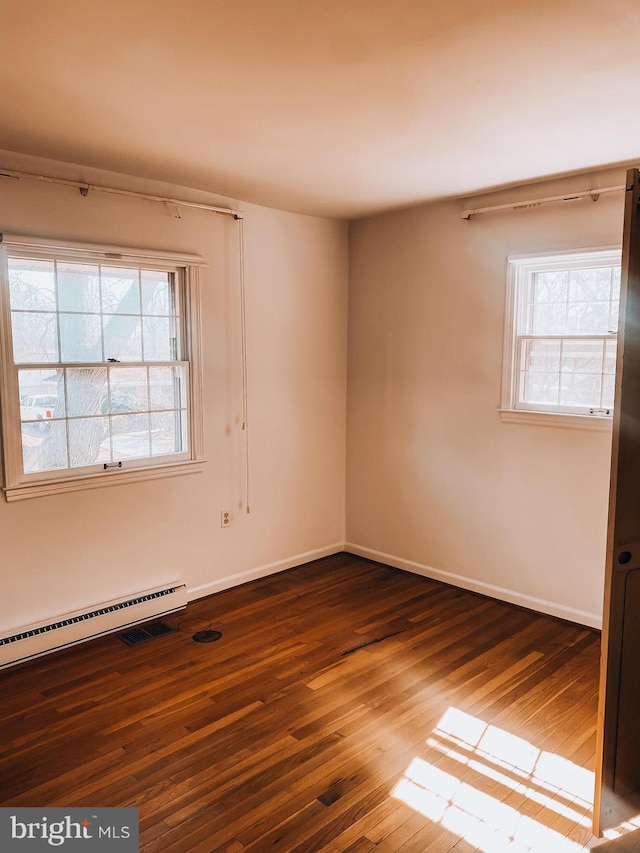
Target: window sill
98,481
555,419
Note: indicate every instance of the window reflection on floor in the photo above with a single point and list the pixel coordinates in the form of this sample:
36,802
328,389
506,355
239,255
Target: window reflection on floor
499,792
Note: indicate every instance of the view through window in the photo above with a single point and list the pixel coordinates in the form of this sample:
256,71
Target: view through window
563,340
100,368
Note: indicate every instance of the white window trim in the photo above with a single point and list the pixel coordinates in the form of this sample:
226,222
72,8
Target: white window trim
17,485
518,269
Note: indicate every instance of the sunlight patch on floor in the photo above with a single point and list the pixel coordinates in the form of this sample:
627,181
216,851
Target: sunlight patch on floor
557,792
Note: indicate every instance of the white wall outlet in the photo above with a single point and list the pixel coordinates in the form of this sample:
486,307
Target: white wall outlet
225,518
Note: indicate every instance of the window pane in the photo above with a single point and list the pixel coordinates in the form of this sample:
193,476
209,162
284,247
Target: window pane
80,337
35,337
588,318
609,378
159,339
550,286
86,391
549,319
567,373
592,285
617,273
130,436
78,288
128,390
86,441
608,390
44,446
574,302
168,387
542,356
582,356
41,394
168,433
32,285
122,339
120,290
580,389
157,293
611,350
581,379
539,387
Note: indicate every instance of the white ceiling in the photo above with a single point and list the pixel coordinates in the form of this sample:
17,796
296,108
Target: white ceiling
330,107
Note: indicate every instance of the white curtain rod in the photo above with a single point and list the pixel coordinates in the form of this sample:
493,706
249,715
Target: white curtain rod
594,195
85,187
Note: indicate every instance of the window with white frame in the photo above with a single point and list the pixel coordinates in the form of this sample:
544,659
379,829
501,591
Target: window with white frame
100,369
560,339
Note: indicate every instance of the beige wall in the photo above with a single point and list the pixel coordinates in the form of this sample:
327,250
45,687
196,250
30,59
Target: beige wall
436,482
60,553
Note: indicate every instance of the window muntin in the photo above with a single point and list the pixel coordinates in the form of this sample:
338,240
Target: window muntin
563,339
100,375
98,415
71,312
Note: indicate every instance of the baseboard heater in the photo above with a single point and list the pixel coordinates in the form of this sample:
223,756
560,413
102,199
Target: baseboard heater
34,640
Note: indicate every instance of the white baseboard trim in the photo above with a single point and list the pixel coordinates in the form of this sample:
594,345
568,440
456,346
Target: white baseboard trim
582,617
262,571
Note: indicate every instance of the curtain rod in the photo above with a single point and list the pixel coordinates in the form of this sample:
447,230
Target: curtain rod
594,195
84,188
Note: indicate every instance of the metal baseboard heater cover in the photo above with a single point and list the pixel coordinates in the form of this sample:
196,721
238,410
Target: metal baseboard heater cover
31,641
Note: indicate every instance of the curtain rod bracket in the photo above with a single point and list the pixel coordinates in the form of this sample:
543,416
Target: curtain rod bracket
176,209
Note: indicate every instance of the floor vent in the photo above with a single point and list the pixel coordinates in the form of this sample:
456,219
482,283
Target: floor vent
206,636
144,633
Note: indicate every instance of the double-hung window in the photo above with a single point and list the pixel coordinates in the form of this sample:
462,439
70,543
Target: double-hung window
100,371
560,338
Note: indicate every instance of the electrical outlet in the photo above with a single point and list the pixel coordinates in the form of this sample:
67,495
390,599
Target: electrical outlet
225,518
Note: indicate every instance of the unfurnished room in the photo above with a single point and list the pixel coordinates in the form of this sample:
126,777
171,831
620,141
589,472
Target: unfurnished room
319,426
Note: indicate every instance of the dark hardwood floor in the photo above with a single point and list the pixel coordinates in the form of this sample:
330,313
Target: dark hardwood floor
347,707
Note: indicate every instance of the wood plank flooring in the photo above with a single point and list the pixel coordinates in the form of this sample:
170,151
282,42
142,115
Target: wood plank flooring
347,708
